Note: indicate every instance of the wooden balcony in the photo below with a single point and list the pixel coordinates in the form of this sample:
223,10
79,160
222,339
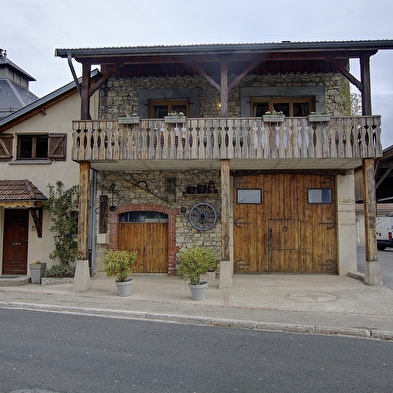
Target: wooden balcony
339,143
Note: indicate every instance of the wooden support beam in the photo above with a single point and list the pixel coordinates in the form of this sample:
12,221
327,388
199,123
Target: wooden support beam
224,88
250,67
384,176
85,97
103,78
37,218
365,77
346,73
372,270
225,209
83,213
226,265
201,71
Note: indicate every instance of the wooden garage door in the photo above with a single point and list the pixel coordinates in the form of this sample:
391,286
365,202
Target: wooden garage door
150,240
286,229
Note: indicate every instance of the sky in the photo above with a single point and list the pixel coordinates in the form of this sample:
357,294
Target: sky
31,30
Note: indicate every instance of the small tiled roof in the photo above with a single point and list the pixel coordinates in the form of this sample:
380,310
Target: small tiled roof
20,190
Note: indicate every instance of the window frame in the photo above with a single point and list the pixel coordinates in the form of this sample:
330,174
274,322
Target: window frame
272,101
239,201
33,150
170,104
322,201
56,146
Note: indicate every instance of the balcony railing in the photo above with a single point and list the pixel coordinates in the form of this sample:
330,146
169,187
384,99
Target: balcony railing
227,138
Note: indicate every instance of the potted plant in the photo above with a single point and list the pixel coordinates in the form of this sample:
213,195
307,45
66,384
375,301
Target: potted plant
37,271
193,262
275,117
123,118
120,263
318,117
175,117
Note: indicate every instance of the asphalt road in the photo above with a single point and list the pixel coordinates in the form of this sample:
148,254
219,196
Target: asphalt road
42,351
385,259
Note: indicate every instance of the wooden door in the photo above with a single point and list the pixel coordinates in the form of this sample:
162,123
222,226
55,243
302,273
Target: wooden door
284,233
284,246
15,241
150,240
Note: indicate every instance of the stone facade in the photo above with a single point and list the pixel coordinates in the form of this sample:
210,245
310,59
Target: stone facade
166,189
121,94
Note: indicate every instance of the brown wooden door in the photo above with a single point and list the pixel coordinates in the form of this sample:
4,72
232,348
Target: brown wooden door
284,233
150,240
15,241
284,246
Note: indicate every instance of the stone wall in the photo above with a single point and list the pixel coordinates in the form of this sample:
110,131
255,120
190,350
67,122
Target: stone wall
152,187
121,94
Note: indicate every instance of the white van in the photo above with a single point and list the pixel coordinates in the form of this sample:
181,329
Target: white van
384,232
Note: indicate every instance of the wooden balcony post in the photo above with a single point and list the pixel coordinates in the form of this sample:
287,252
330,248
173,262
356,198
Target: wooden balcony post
225,265
224,88
365,78
372,269
82,272
85,98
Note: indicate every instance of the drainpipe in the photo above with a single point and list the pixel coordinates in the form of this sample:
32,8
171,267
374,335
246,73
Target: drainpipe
92,225
69,57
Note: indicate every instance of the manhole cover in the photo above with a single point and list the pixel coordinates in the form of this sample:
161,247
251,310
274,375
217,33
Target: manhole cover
312,297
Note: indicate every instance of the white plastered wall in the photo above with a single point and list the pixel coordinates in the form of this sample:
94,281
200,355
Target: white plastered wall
55,119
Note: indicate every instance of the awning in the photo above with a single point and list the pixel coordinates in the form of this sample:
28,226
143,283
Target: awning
20,194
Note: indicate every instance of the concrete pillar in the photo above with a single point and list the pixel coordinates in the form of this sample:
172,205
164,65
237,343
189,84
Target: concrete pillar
82,276
346,224
226,275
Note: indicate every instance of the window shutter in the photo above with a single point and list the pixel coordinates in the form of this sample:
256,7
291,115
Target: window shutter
57,147
6,147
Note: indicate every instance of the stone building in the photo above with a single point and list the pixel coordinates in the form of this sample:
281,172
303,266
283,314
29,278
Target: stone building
248,148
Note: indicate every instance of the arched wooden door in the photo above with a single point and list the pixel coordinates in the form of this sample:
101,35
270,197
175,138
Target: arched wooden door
285,223
146,233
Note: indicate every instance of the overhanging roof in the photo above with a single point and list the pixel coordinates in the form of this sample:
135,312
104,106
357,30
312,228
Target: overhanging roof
20,193
282,50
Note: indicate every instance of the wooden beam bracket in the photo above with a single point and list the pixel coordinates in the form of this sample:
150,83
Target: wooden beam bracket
36,214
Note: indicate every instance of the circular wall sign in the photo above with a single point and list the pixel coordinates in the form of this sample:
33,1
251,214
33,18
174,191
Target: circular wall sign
203,216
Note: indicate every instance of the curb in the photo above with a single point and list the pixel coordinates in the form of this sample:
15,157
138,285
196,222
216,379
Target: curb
231,323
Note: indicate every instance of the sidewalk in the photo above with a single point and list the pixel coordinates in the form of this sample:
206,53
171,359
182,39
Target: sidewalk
295,303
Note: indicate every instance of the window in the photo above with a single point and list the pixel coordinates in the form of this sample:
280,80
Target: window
143,216
33,147
249,196
319,195
42,147
292,107
159,109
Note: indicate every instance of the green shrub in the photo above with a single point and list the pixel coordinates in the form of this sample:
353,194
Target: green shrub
195,261
61,271
119,264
